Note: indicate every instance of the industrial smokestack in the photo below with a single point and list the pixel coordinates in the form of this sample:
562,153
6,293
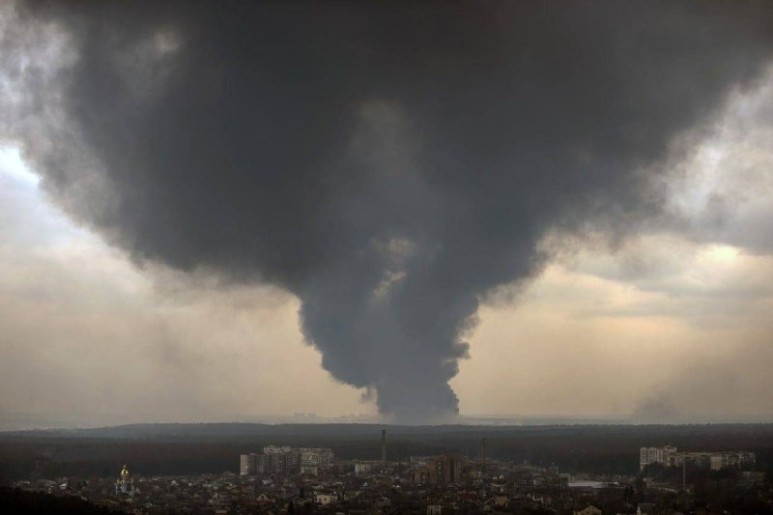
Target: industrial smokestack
383,445
483,454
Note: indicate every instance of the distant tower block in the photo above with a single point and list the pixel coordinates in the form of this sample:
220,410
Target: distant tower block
383,445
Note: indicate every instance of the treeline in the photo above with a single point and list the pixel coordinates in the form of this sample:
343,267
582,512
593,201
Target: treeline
13,500
195,449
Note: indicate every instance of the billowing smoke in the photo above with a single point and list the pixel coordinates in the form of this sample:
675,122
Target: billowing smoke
388,164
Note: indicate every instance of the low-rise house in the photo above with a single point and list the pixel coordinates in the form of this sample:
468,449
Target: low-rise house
588,510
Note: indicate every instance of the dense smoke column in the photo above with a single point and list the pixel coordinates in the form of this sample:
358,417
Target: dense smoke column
388,164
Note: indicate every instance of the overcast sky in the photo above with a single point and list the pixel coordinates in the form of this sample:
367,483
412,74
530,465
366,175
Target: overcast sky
394,221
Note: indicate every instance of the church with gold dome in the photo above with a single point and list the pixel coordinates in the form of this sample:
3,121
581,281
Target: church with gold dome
124,485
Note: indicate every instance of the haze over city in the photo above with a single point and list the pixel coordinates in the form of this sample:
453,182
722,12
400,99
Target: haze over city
415,213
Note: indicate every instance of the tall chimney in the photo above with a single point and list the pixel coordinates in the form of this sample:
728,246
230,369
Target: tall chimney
483,454
383,445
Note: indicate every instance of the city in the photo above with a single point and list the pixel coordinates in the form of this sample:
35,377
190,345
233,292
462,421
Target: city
287,479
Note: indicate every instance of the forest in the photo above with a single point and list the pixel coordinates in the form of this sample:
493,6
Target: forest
172,449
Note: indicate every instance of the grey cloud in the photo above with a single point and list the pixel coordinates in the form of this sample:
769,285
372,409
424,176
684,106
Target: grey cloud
388,164
722,189
733,384
658,408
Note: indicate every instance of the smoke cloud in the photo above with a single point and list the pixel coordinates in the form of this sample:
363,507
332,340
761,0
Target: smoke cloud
389,165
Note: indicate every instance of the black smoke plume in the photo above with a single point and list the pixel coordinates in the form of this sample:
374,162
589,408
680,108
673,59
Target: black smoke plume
388,163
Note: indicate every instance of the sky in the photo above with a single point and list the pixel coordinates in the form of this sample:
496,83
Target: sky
385,213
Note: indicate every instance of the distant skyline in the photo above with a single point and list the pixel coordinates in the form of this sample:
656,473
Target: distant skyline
390,222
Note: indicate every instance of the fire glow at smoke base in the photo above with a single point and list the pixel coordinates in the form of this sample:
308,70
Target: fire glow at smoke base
389,165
